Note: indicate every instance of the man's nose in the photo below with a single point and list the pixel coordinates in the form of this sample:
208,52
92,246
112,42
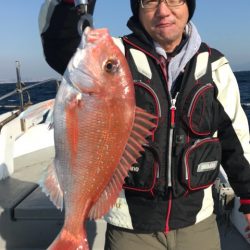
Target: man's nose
163,8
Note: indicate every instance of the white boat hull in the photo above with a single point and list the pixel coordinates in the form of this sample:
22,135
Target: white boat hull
16,144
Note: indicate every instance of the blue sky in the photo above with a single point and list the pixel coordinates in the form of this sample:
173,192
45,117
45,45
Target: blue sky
223,24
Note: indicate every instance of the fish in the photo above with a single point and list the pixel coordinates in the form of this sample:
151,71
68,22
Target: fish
99,133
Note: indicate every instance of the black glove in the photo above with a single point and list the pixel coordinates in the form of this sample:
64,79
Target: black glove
58,29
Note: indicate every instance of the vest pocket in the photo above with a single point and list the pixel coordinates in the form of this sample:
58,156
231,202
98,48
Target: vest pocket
200,163
198,110
142,175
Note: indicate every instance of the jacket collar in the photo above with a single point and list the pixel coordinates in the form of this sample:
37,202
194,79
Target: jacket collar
180,57
135,26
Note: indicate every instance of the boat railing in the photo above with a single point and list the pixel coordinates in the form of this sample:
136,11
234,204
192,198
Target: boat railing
25,101
24,97
9,118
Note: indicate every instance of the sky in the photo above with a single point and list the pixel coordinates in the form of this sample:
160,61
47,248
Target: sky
222,24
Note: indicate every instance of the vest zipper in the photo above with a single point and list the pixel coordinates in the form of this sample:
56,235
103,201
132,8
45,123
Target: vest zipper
171,134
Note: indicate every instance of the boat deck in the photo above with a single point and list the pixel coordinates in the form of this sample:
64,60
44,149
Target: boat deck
28,220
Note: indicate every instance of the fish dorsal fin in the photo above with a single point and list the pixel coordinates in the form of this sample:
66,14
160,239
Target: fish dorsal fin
51,187
142,128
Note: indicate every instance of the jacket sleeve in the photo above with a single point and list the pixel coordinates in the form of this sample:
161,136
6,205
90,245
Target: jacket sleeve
233,132
58,22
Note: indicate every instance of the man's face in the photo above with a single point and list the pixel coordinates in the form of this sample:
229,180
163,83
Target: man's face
164,24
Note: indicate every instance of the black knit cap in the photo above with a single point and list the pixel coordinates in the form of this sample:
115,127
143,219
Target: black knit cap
136,3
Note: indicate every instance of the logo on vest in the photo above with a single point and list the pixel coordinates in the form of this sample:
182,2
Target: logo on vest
134,169
207,166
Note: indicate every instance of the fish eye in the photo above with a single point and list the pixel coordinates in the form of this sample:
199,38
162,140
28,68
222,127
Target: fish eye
111,66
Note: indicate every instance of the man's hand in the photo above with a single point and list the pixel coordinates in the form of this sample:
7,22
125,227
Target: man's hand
91,5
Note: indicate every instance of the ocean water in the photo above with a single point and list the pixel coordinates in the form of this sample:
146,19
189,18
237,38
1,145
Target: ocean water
243,78
48,91
34,95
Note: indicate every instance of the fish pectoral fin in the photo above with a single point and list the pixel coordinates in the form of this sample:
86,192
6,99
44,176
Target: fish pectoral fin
37,109
142,128
51,186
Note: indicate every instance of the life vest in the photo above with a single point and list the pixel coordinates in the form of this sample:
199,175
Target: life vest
184,153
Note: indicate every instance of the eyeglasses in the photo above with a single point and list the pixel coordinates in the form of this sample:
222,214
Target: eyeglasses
153,4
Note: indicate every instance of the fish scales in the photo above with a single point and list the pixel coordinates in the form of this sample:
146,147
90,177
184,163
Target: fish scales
97,138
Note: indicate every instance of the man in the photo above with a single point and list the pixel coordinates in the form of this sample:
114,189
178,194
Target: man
166,202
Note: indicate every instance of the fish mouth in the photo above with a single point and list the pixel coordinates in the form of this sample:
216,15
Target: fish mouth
94,35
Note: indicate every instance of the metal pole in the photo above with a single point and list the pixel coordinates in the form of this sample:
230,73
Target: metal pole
20,90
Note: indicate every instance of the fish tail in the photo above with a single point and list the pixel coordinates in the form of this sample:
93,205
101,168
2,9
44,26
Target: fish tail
68,240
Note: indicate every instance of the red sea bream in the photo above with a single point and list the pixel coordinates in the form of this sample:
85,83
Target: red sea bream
99,133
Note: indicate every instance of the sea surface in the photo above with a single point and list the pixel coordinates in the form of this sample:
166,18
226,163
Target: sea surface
38,93
243,78
48,91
